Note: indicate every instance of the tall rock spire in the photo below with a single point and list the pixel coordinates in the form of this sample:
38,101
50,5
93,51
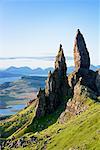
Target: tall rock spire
81,54
82,64
56,87
58,77
60,62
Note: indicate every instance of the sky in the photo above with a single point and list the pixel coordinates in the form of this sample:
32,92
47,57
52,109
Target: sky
30,28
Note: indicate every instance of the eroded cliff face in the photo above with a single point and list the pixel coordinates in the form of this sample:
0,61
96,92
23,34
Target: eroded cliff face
98,81
56,89
41,103
81,54
82,64
58,78
80,84
85,83
79,103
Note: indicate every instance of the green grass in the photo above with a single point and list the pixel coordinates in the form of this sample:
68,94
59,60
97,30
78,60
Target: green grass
17,122
42,123
81,132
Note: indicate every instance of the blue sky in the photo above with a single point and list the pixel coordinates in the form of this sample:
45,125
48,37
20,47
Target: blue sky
37,27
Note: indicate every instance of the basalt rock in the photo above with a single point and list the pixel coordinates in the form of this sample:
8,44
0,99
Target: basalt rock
41,103
56,87
84,82
82,64
77,104
98,81
88,78
60,64
56,83
81,54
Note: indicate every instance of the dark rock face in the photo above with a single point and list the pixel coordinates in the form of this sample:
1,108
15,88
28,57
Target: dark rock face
56,84
98,81
41,103
88,78
82,64
60,64
56,87
82,82
77,105
81,55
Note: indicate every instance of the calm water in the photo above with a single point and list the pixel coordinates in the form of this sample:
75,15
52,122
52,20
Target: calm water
10,79
14,108
11,110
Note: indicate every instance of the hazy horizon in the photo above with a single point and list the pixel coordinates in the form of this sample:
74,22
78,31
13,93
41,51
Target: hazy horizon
32,62
31,28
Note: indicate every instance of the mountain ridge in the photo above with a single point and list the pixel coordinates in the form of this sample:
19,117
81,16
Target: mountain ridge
20,71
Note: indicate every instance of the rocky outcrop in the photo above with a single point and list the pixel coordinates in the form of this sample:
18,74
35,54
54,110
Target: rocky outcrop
60,64
88,79
85,87
82,64
84,82
98,81
41,103
57,83
78,103
81,54
57,80
56,87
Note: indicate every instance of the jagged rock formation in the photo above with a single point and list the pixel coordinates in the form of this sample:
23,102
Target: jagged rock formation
83,86
88,78
41,100
81,54
82,64
84,82
56,87
98,81
78,103
57,83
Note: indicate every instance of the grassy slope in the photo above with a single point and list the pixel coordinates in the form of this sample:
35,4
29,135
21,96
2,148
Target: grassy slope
17,122
81,132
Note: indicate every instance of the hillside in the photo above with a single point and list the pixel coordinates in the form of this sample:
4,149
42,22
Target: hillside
80,132
19,92
65,113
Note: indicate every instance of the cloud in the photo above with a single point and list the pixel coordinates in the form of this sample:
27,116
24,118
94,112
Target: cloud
45,58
